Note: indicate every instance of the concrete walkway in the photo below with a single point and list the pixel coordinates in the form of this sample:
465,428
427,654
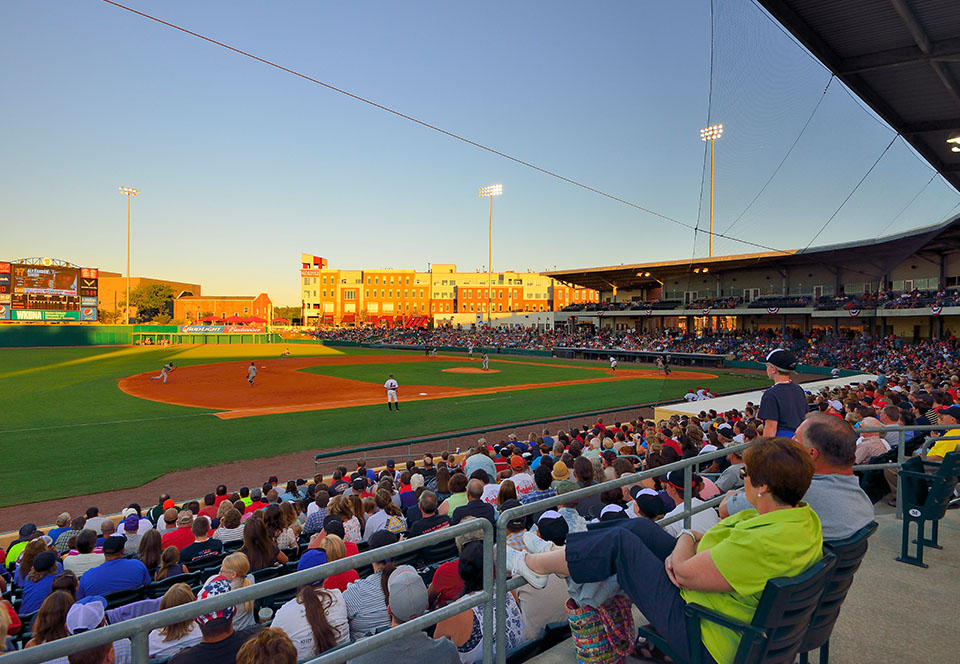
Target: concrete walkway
894,612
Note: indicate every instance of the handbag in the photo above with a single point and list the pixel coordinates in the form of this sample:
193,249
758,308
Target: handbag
604,634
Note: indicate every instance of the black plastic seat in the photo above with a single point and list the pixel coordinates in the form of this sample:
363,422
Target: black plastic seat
925,497
849,553
779,624
159,588
121,597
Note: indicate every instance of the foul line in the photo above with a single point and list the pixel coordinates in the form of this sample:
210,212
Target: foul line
460,403
94,424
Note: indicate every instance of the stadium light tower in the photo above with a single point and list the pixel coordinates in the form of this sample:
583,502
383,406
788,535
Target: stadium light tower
711,133
128,192
489,192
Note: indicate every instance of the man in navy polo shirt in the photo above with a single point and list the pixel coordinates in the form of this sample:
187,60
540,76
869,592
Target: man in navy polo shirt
115,573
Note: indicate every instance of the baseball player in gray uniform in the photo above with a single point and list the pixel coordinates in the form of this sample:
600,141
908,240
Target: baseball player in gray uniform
486,361
164,370
251,373
391,387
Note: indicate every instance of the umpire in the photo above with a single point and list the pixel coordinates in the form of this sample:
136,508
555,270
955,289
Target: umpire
783,406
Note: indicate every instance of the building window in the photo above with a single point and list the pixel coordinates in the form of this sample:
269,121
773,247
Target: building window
246,310
306,281
368,281
406,293
349,295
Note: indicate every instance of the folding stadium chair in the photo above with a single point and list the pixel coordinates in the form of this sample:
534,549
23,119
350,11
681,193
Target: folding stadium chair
849,552
925,497
121,597
230,547
159,588
779,624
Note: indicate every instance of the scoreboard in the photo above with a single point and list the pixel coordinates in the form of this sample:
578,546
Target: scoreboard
44,291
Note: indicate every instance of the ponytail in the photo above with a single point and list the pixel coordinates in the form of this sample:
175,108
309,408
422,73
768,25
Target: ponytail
324,634
388,568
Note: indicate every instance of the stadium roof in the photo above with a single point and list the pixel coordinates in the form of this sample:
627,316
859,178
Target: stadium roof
874,257
902,57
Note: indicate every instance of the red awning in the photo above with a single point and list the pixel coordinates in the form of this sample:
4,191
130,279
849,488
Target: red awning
349,318
233,319
256,319
210,319
280,320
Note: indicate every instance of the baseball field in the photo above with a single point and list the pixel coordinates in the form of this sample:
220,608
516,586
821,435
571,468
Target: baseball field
83,420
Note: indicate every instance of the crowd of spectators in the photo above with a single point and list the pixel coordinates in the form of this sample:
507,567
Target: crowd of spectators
66,579
861,352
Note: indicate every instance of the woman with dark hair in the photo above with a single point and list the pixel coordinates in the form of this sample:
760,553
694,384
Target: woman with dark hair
583,471
507,491
316,619
25,564
261,551
458,494
466,629
780,537
291,492
366,598
51,621
443,483
45,567
150,550
277,529
170,564
66,581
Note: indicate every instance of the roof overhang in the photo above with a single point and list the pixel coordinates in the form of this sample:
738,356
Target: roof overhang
901,57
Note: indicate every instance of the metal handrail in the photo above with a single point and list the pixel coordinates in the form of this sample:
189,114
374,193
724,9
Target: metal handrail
138,629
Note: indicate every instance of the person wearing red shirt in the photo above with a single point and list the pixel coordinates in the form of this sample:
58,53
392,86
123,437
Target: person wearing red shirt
182,536
209,508
221,496
446,585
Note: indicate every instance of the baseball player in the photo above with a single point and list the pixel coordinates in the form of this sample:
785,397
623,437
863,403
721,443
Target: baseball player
613,363
486,362
470,351
164,370
251,373
433,353
391,387
660,366
285,354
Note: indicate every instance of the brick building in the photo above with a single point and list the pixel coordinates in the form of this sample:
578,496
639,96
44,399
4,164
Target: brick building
192,308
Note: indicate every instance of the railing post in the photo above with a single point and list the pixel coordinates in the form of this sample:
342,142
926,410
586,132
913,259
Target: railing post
900,455
501,594
488,607
687,494
140,648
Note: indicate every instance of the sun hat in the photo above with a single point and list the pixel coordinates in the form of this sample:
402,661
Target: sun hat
560,471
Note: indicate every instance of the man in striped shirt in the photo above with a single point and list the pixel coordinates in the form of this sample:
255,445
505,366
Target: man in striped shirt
366,604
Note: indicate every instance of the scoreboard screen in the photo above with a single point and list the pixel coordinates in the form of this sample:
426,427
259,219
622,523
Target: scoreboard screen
47,292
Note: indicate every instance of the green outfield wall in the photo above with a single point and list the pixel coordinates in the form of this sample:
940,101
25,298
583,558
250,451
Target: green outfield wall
13,336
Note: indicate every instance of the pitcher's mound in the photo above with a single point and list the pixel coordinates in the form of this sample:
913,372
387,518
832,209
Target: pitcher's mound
470,370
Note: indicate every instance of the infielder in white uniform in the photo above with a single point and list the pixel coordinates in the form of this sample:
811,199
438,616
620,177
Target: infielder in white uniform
470,352
613,363
164,370
391,387
251,373
486,361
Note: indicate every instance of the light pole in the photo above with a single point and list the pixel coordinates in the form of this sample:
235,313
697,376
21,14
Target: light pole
490,191
711,133
128,192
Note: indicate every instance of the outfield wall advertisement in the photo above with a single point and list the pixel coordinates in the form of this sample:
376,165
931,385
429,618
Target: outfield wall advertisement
222,329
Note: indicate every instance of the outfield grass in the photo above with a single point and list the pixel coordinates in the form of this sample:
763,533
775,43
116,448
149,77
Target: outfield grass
66,429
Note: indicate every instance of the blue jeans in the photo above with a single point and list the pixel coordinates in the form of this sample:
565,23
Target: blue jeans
633,550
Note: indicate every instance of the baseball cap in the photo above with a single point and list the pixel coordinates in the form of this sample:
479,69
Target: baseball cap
312,558
782,359
184,518
359,484
382,538
553,527
127,511
391,463
170,514
27,529
215,585
952,411
44,560
408,594
86,614
168,503
675,479
836,405
725,430
333,525
650,504
611,512
560,471
566,486
517,462
514,524
114,544
131,523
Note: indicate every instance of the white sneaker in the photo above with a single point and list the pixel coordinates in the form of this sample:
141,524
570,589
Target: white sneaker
538,581
534,543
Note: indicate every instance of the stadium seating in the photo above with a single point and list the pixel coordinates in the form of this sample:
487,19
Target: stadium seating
779,624
925,498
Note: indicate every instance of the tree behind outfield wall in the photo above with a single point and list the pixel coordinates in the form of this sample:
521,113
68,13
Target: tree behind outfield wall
152,301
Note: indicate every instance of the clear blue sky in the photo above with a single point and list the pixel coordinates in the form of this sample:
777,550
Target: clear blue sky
241,167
